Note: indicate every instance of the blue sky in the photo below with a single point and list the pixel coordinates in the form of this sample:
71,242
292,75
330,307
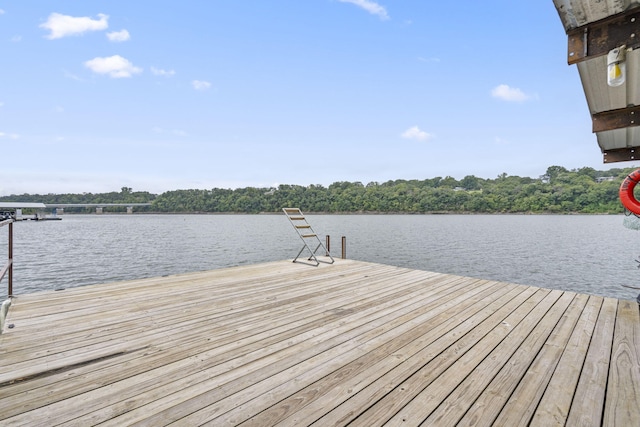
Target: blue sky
166,95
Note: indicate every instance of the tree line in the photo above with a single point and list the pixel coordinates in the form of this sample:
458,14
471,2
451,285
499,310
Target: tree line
559,190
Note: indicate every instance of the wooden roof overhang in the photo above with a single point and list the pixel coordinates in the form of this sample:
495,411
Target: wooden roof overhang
593,29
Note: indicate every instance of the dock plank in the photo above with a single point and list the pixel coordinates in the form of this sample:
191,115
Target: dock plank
431,397
622,407
457,404
237,341
404,330
589,397
553,409
203,309
288,344
353,331
390,392
488,405
521,406
310,403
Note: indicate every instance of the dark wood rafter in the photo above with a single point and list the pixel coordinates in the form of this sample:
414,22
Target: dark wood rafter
621,155
598,38
616,119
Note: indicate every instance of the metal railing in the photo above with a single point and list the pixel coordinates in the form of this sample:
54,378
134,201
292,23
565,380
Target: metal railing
8,268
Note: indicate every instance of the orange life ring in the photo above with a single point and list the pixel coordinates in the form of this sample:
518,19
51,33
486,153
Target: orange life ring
626,192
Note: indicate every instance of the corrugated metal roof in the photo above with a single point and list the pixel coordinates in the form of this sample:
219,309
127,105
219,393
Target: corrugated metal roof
593,28
577,13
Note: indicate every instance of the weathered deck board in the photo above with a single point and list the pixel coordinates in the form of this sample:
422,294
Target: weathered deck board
288,344
589,397
623,387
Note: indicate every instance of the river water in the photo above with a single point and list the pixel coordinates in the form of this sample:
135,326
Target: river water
589,254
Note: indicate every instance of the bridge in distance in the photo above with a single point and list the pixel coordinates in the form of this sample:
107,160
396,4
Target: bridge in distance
59,207
14,209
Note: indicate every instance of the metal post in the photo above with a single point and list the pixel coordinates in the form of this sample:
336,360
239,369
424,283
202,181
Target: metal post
10,294
344,247
328,244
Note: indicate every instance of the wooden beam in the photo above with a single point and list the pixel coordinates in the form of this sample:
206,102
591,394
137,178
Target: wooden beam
616,119
598,38
621,154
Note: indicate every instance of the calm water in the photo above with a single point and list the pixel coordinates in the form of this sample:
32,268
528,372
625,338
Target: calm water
590,254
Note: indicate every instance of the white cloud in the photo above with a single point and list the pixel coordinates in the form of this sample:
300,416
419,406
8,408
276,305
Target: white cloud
1,12
16,39
9,135
200,85
119,36
115,66
507,93
161,72
1,104
65,25
416,134
370,6
431,59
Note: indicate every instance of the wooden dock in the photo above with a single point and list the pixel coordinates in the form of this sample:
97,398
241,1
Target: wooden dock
351,343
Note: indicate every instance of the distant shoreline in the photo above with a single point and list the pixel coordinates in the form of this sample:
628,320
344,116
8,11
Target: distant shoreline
343,213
